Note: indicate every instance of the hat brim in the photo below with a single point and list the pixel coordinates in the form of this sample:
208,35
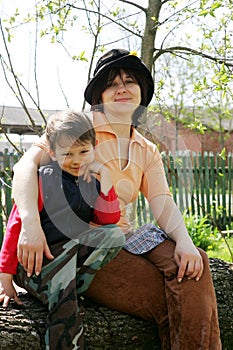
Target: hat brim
128,61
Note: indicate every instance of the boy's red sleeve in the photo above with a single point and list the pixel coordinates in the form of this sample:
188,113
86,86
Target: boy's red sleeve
8,254
107,208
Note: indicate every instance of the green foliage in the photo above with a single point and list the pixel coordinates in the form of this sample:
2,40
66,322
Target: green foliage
202,232
191,49
80,57
197,125
210,10
222,251
115,12
223,154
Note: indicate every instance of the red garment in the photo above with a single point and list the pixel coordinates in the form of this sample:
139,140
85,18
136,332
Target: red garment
106,212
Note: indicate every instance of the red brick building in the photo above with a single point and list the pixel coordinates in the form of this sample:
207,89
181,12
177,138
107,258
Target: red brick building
169,135
172,136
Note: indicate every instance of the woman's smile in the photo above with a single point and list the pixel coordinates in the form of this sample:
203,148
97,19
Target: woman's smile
122,89
122,99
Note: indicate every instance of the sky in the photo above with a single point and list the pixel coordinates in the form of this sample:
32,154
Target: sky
52,62
54,66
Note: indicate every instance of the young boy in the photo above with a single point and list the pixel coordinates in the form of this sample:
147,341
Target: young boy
70,199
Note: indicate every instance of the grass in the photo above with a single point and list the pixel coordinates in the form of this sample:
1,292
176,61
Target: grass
222,252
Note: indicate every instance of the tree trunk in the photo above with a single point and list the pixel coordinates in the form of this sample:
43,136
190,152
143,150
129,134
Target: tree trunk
23,328
148,40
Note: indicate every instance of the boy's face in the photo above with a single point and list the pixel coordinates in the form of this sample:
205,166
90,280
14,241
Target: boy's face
73,157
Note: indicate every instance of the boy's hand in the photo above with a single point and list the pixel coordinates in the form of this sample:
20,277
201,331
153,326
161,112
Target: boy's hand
7,290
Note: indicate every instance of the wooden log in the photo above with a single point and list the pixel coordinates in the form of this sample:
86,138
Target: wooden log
23,328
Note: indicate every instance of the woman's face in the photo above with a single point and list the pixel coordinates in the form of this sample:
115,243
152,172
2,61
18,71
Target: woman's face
122,94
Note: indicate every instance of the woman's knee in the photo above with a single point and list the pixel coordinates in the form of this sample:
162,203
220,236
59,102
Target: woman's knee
204,255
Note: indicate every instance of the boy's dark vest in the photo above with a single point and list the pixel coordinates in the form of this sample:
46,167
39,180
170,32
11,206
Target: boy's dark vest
68,203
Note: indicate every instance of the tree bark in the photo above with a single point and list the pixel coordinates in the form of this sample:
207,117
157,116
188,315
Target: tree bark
23,328
151,25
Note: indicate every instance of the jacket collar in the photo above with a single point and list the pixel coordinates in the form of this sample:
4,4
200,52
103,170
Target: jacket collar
101,124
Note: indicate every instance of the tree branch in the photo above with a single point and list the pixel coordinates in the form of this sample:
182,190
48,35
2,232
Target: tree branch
189,51
96,35
19,85
21,101
107,17
135,5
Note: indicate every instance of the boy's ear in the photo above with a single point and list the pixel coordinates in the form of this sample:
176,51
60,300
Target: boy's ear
52,154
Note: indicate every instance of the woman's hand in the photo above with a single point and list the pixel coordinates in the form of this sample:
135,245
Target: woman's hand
186,255
92,168
7,290
32,245
105,178
189,260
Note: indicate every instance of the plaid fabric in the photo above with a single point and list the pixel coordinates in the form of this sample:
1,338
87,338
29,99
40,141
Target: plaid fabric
144,239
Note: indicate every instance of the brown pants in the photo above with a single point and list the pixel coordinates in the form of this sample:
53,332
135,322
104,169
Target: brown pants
146,286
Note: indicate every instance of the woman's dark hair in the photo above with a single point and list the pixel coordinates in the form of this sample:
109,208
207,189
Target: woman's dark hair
102,84
75,125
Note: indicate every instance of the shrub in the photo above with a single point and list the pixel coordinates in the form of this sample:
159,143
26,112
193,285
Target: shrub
202,232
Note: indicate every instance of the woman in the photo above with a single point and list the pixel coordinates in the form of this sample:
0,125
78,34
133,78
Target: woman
166,281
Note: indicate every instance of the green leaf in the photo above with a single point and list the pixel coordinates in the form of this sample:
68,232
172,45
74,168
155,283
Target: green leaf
204,13
223,154
80,57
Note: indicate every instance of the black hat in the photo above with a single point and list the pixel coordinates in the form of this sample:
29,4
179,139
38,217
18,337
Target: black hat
119,58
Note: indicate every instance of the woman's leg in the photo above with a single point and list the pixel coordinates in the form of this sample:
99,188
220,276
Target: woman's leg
136,285
131,284
97,247
192,306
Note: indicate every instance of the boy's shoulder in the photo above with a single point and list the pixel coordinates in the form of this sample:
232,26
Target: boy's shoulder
47,169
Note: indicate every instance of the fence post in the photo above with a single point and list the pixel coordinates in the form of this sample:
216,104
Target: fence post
1,216
230,179
212,173
7,179
207,182
197,191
